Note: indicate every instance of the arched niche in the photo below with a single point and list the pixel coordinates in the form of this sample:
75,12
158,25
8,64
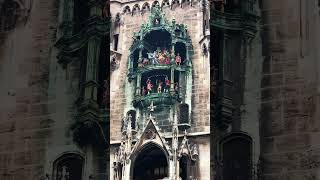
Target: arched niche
145,7
150,162
181,50
158,39
135,9
9,14
175,4
184,167
69,166
155,3
132,113
165,3
236,151
126,10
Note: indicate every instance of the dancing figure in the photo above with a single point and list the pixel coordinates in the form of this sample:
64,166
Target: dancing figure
149,86
161,58
159,86
176,87
178,59
144,91
167,83
145,61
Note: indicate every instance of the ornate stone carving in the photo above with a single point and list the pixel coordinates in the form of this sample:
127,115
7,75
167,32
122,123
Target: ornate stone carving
150,134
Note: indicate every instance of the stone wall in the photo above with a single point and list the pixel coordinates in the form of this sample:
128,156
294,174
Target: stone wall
26,107
290,126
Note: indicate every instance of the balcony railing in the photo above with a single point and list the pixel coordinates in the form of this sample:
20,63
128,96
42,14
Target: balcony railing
156,98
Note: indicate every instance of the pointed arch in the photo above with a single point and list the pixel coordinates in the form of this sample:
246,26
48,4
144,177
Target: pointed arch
150,152
175,4
145,7
165,3
155,3
135,9
232,160
69,165
126,10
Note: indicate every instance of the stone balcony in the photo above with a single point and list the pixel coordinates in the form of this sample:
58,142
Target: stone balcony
157,98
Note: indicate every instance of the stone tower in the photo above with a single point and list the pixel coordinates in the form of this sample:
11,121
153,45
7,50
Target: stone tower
266,61
159,90
53,63
54,79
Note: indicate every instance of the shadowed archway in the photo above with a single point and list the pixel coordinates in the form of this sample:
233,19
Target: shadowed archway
150,164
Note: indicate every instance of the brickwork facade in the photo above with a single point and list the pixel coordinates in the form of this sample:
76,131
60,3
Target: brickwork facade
289,90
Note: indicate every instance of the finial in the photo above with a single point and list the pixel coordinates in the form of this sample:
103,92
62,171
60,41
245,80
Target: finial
129,117
151,107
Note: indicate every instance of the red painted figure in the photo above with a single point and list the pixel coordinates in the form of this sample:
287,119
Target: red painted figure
159,86
178,59
145,61
176,87
144,91
167,82
149,86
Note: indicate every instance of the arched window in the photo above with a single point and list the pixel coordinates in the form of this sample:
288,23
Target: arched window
238,162
184,164
183,113
135,9
204,50
132,114
155,3
165,3
175,4
9,15
68,166
145,7
126,10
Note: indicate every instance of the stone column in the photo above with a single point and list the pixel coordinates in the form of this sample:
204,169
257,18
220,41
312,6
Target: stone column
138,87
91,84
172,80
173,53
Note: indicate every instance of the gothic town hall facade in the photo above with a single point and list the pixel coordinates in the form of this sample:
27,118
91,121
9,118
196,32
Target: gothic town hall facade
159,89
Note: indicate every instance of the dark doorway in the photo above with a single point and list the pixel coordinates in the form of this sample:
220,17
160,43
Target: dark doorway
68,167
184,167
237,159
150,164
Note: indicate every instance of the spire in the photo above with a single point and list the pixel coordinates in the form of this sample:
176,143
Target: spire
151,109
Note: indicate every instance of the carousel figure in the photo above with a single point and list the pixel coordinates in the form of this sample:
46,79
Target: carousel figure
145,61
159,86
149,86
156,22
167,83
167,57
140,64
167,62
144,91
176,87
178,59
153,57
161,58
64,174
